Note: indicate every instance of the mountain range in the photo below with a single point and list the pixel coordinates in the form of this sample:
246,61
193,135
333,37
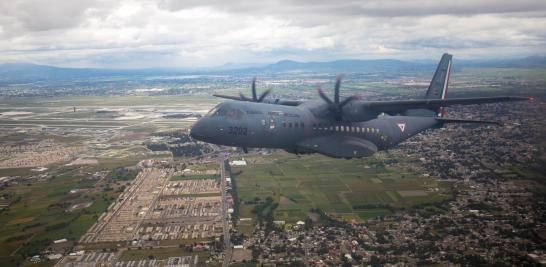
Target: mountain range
27,72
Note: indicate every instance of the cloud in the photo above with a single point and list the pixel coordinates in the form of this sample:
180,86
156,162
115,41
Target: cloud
372,8
153,33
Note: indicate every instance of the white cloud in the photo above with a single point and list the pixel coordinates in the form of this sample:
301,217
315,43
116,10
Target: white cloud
168,33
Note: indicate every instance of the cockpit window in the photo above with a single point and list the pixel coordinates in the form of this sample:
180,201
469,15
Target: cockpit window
225,110
212,111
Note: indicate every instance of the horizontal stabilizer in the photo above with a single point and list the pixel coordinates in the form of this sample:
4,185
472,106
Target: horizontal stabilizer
448,120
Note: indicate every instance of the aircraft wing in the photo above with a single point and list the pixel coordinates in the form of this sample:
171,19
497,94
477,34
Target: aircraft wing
276,101
339,146
397,106
229,97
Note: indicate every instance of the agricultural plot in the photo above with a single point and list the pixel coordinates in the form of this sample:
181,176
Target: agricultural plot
41,211
350,189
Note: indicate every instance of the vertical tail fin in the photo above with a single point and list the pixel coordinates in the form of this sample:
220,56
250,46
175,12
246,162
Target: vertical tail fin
439,83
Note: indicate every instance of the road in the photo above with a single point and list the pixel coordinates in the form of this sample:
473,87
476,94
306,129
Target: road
225,218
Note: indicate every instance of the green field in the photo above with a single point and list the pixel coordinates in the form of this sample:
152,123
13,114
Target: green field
348,189
506,73
39,215
162,254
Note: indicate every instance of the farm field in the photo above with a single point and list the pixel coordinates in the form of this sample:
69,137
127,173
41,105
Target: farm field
42,210
355,189
163,253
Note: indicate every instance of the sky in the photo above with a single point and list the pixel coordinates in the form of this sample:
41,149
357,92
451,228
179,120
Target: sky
206,33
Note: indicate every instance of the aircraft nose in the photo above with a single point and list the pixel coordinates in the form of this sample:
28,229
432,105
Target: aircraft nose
198,130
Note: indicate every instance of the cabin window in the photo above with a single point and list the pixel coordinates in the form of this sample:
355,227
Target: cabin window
263,122
289,125
271,123
284,124
337,128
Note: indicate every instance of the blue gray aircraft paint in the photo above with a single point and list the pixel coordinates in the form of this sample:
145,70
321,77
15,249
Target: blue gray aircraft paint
340,128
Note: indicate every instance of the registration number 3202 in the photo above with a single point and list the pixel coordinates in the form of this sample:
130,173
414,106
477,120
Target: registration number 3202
235,130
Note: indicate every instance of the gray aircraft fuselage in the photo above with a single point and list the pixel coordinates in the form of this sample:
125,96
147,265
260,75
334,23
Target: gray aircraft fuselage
297,130
340,128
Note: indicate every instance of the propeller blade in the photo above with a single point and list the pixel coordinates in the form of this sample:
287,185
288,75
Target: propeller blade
254,96
347,100
336,88
323,96
264,94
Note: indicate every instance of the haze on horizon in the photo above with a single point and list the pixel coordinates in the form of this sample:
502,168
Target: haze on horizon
169,33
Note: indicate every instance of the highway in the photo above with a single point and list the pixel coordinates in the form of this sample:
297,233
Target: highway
225,219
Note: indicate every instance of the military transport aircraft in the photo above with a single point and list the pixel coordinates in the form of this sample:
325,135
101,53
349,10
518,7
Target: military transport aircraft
340,128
